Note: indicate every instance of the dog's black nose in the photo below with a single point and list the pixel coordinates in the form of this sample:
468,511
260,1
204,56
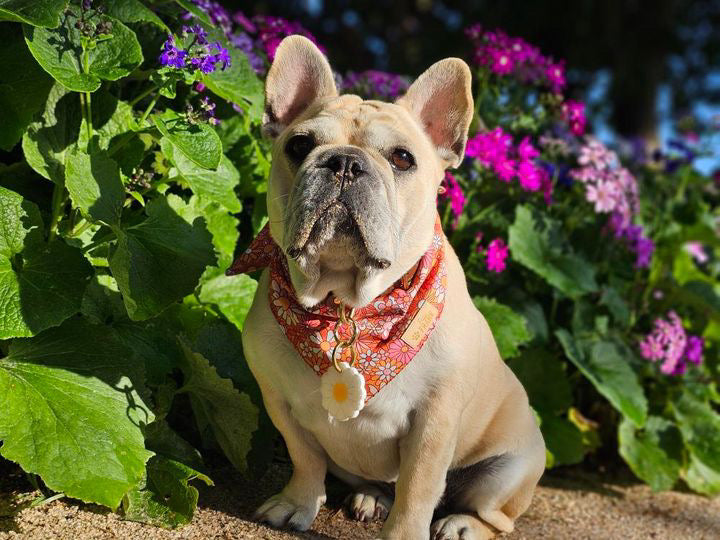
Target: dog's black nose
346,166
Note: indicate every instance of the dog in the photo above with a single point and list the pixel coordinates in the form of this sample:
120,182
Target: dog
353,229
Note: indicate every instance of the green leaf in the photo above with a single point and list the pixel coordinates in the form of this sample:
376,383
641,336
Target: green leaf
95,187
110,118
616,304
165,498
133,11
536,242
24,86
233,295
197,142
231,415
606,366
59,52
47,141
508,327
544,378
563,440
35,12
654,453
702,478
238,83
221,224
218,185
188,5
41,284
700,428
72,413
160,260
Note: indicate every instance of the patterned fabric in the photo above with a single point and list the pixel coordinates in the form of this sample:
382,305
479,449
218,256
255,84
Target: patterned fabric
391,329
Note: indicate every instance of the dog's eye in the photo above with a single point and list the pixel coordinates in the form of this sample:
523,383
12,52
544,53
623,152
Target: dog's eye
401,159
299,146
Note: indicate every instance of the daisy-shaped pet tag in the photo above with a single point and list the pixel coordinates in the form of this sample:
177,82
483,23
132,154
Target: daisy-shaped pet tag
343,392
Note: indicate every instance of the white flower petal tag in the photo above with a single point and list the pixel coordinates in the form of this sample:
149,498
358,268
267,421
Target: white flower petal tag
343,392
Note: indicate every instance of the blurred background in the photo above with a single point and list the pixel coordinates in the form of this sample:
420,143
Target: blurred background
644,69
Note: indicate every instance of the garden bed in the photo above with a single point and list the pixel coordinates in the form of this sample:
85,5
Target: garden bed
570,503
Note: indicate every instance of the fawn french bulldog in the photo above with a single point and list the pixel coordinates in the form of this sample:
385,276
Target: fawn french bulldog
373,362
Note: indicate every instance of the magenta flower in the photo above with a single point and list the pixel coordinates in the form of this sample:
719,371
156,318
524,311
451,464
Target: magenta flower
497,253
529,176
555,74
454,192
526,150
573,113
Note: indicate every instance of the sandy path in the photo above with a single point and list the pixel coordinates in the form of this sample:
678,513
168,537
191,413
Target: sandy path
572,504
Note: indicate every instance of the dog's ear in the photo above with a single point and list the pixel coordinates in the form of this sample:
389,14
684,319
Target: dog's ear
441,98
299,74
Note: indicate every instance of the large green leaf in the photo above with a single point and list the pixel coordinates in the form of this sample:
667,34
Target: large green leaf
165,497
59,52
160,260
508,327
544,378
24,86
607,367
35,12
536,242
213,185
563,441
197,142
238,83
95,187
702,478
72,412
232,294
41,284
700,428
230,414
653,453
47,141
133,11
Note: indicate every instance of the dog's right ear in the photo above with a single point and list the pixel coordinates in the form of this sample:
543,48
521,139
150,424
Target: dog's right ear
299,75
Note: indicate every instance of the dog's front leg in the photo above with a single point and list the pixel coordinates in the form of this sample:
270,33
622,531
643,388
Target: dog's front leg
425,456
298,503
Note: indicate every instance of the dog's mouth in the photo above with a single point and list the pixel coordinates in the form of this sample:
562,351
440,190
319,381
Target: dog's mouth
331,226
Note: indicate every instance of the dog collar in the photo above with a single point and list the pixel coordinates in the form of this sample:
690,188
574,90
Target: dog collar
376,341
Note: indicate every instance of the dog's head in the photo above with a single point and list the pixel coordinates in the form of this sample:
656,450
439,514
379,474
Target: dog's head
352,190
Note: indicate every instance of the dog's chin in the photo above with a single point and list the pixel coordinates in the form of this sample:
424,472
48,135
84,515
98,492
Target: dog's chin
335,243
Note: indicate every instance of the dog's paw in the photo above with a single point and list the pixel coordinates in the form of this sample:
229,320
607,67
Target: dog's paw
279,511
460,527
369,503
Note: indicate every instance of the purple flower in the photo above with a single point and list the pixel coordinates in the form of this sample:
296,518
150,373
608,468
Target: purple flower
246,24
205,63
694,349
222,56
171,55
375,84
199,31
669,342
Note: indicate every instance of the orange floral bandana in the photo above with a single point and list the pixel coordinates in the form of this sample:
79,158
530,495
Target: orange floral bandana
391,330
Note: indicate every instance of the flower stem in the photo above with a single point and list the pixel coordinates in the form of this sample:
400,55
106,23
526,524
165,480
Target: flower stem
87,111
143,95
149,109
58,203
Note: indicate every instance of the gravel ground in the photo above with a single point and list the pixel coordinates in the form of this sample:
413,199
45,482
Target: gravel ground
571,504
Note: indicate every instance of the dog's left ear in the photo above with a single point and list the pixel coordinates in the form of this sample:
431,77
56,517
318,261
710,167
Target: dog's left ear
441,98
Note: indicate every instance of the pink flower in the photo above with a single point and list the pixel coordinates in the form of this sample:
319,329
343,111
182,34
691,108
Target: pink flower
670,343
454,192
497,252
505,169
501,61
696,251
603,194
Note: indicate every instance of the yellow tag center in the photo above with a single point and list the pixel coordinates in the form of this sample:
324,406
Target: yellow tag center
340,392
